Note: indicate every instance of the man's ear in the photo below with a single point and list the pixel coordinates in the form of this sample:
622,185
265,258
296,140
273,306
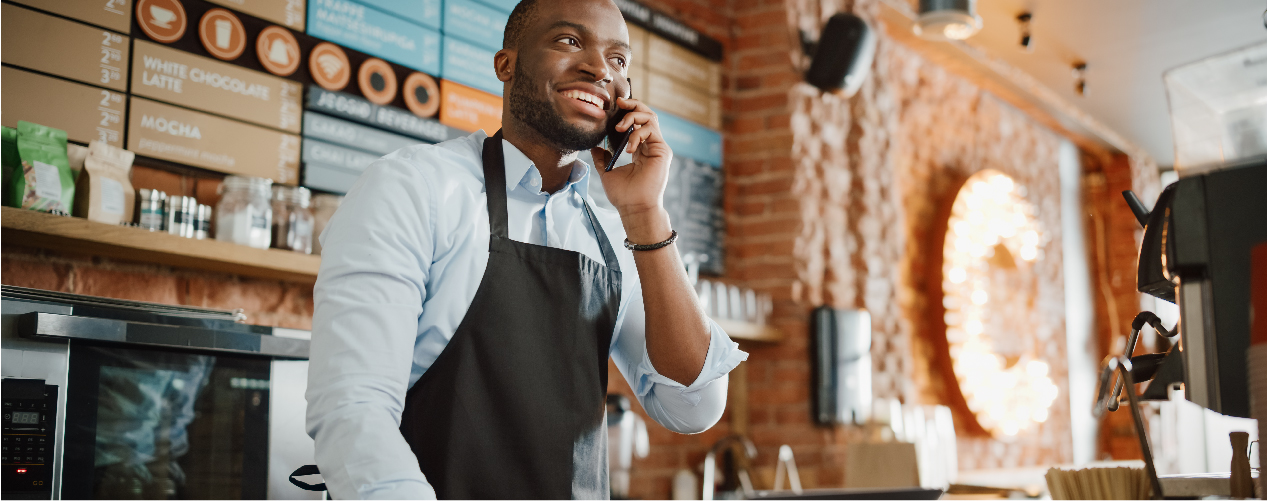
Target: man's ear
504,64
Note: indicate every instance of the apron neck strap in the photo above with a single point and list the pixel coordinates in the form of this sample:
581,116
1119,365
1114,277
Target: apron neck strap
495,195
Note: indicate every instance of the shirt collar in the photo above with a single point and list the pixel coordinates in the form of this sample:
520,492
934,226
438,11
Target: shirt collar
521,171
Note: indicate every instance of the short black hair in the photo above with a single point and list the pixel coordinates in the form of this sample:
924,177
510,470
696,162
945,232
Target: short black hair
521,17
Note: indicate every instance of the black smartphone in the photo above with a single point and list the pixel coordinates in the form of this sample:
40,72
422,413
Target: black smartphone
618,140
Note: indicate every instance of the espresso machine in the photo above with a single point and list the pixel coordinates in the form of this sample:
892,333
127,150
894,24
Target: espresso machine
1204,250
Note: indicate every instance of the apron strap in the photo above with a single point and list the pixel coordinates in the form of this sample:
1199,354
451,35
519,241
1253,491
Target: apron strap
495,196
302,471
495,185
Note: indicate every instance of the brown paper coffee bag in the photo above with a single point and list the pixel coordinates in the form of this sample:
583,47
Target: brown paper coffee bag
104,188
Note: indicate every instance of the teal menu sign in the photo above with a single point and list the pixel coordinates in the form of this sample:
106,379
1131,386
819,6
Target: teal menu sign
424,12
502,5
691,140
475,23
470,65
376,33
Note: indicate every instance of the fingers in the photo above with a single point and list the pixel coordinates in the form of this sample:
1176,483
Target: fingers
639,113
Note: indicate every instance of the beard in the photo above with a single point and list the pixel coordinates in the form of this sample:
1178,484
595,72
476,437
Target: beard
540,114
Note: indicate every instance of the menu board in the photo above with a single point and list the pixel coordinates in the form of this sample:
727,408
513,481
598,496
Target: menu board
675,61
376,33
424,12
693,199
85,113
470,65
186,79
384,117
288,13
329,154
689,139
468,109
78,51
112,14
354,135
325,177
193,138
475,23
686,101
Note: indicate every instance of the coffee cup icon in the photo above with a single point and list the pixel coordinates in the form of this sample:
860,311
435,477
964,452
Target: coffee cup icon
161,17
224,33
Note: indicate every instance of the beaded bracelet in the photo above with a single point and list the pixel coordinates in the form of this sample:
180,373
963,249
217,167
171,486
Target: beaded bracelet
673,235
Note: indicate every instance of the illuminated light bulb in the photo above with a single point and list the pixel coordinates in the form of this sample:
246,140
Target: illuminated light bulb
1010,428
1040,415
979,297
957,275
1036,369
973,327
961,228
1030,238
1029,253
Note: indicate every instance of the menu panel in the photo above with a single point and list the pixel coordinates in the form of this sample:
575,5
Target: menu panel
693,199
475,23
668,58
468,109
354,135
345,158
687,102
189,80
384,117
638,45
689,139
376,33
78,51
112,14
288,13
189,137
470,65
85,113
324,177
424,12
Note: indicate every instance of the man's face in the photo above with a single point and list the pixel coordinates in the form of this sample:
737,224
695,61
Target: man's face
569,70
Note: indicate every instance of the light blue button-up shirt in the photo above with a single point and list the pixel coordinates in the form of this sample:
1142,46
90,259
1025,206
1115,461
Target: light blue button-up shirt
401,261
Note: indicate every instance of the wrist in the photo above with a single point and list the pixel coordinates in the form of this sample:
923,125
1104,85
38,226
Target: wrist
646,226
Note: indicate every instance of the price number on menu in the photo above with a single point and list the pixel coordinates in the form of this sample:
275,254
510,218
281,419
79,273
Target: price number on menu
111,109
111,57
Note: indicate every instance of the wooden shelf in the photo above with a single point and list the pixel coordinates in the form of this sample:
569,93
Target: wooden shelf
744,331
37,229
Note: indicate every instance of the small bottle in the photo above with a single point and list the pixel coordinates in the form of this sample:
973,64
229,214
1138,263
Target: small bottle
179,217
150,209
202,222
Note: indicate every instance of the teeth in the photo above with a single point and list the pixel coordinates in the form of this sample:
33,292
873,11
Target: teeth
584,96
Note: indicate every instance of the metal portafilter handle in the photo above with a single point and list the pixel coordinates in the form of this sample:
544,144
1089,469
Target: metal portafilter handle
1142,318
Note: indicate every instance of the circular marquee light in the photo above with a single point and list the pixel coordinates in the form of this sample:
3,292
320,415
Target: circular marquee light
989,291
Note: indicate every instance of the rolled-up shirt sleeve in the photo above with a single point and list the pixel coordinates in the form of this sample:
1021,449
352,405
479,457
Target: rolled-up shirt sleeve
369,294
681,408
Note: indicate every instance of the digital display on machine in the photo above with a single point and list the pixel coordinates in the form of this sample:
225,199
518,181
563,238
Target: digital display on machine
26,418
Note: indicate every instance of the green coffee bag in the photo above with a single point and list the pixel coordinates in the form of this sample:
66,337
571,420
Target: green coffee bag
46,182
8,164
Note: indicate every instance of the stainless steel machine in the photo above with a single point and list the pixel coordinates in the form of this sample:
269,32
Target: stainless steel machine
107,399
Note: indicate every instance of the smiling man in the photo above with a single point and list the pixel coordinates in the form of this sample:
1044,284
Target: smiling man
470,293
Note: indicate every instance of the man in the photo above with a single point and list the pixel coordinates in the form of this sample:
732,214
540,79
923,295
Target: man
470,294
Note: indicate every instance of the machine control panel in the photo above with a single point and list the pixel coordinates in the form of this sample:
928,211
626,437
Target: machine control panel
30,409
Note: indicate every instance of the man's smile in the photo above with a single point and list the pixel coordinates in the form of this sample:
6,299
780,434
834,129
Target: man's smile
586,101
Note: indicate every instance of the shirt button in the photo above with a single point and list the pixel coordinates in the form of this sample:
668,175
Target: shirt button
533,183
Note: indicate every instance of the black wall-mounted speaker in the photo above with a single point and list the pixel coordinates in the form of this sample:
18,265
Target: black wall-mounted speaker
843,56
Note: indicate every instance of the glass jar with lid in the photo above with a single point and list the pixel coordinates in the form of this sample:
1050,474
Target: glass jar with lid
292,219
244,215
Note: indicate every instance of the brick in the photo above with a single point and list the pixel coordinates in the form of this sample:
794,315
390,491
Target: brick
34,274
137,286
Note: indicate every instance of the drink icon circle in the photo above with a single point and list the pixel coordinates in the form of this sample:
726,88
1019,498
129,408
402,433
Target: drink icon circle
162,20
278,50
222,34
329,66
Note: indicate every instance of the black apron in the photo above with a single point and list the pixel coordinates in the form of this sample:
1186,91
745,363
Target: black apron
514,405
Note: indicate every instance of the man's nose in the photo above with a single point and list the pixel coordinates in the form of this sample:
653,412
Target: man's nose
595,64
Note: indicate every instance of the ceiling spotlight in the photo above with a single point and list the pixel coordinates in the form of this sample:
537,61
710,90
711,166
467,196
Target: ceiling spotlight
1023,21
943,20
1079,71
